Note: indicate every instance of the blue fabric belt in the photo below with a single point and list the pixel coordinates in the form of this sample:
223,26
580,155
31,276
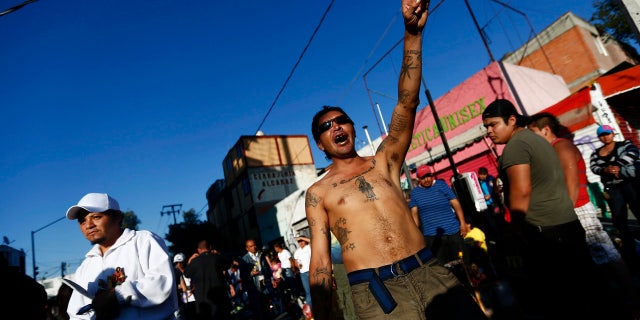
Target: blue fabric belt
376,276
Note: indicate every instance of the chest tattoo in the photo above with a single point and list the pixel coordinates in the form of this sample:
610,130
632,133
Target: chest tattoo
366,188
343,181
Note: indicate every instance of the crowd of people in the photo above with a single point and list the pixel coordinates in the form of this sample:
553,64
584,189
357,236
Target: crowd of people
541,186
400,255
538,251
130,274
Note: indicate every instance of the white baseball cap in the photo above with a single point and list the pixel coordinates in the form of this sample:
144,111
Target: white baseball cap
93,202
178,257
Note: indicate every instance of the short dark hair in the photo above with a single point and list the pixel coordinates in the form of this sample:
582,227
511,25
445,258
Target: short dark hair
504,109
544,119
547,119
483,170
204,244
318,115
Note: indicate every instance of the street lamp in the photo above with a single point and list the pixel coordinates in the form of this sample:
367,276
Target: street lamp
33,250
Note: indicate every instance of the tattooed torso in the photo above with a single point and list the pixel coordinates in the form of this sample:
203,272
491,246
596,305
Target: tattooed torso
368,215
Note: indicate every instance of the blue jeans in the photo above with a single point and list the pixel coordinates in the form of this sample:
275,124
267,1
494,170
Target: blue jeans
290,279
304,277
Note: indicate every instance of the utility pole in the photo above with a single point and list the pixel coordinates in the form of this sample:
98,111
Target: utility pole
507,78
171,209
484,41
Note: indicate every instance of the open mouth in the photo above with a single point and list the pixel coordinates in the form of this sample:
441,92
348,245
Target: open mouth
340,138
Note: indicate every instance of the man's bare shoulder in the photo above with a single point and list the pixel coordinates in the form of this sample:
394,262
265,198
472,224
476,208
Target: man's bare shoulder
565,146
321,184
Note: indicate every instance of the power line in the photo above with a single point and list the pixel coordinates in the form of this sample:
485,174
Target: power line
205,205
296,65
366,60
375,64
16,7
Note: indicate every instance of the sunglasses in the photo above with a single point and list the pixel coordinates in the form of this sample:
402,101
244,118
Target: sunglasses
343,119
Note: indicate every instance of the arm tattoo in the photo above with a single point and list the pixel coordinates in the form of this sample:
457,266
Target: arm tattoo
321,288
312,200
403,96
383,145
417,53
322,278
399,122
409,64
312,222
323,231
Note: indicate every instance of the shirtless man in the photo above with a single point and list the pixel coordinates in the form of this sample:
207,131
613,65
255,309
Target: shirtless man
360,200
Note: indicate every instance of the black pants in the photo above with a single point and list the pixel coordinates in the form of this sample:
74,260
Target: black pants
623,198
216,305
561,282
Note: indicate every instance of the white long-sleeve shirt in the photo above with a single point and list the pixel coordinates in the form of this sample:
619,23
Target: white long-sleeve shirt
150,283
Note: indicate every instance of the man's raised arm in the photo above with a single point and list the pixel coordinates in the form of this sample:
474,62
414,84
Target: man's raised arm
402,121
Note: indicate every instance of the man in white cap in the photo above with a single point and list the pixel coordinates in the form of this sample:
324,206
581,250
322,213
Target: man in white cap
127,274
302,257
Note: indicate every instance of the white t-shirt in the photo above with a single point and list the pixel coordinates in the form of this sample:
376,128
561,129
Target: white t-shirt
284,256
190,297
303,255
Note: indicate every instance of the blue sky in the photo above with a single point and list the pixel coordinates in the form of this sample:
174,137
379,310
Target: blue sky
143,99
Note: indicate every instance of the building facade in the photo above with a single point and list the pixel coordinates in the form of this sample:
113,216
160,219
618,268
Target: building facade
259,172
572,48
